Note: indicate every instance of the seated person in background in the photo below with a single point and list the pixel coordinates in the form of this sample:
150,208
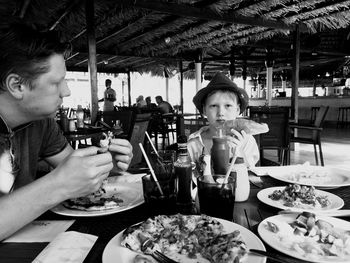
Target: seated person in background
140,102
150,105
164,106
32,88
222,101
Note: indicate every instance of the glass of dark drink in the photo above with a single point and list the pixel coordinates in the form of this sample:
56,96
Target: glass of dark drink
163,163
158,204
217,199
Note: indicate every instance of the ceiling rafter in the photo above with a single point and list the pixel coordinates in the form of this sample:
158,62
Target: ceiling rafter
65,13
206,14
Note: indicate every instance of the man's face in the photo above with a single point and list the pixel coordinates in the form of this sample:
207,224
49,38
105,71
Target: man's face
158,100
48,91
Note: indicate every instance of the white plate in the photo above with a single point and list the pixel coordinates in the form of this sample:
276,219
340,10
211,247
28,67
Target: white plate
130,193
318,176
272,238
114,252
335,201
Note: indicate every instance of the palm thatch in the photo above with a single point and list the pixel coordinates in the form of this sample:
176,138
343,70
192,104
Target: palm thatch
156,35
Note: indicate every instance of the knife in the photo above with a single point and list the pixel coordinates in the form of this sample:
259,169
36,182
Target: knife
335,213
273,256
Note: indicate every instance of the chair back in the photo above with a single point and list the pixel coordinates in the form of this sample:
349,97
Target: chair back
126,119
192,125
277,119
319,120
138,135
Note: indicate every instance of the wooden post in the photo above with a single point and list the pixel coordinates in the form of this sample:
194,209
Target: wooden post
181,87
92,66
167,88
295,73
129,88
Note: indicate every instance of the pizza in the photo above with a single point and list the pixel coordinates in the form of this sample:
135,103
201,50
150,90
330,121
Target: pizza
103,199
186,238
249,126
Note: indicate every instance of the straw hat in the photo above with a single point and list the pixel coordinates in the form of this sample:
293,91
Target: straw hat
221,82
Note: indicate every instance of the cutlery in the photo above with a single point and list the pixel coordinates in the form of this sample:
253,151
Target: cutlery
335,213
161,258
272,256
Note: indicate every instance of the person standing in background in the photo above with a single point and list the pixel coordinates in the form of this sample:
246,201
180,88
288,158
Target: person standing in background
109,97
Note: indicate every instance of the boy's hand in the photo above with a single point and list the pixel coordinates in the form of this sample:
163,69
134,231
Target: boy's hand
238,140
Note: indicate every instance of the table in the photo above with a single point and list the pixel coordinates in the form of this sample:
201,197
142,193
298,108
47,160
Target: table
248,214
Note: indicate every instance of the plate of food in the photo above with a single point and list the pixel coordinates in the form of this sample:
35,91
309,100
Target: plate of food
318,176
305,236
186,239
113,197
300,198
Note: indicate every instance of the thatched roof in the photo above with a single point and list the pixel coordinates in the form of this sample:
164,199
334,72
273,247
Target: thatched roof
150,36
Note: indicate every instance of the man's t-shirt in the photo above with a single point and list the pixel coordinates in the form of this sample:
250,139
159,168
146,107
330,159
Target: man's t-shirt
165,107
109,99
22,147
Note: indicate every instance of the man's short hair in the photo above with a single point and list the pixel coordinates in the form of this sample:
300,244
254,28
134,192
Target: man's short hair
108,82
159,98
25,51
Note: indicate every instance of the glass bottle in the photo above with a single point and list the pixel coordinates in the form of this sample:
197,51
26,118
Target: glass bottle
220,153
80,117
183,172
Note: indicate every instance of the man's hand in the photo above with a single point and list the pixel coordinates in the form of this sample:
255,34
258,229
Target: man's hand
121,151
82,172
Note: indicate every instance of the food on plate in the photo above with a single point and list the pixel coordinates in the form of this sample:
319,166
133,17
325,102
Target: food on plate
298,196
103,199
310,175
312,238
105,141
185,237
142,259
249,126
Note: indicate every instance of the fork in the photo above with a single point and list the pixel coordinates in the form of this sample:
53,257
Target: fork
161,258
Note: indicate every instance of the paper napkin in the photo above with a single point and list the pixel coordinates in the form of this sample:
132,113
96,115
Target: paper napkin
67,247
40,231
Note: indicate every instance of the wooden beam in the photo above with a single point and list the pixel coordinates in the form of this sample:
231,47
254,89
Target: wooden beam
66,12
24,8
207,14
129,88
90,14
295,73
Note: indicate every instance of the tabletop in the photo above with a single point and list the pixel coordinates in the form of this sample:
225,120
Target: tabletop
248,214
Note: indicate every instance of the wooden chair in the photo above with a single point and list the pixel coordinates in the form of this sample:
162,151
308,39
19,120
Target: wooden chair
313,135
138,135
277,138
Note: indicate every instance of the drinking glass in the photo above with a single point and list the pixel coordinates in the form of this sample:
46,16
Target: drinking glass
217,199
158,204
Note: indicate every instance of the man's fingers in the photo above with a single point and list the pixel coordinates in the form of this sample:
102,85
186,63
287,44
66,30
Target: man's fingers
89,151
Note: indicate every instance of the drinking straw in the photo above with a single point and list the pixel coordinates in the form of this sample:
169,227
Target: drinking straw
150,141
230,168
151,169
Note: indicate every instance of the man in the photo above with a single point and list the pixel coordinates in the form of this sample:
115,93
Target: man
164,106
32,86
140,102
150,104
109,97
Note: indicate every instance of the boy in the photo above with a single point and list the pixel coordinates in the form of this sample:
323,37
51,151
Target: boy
222,101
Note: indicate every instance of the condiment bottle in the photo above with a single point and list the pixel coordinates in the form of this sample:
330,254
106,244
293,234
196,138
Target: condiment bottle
183,172
64,121
80,117
220,153
242,182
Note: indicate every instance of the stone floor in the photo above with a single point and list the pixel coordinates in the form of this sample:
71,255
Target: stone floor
335,147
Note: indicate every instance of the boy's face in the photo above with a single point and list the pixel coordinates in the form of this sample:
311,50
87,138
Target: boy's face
220,107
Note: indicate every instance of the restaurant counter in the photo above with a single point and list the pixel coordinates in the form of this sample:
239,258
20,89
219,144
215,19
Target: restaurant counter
305,104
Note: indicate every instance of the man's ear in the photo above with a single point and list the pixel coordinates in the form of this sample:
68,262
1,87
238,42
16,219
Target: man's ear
14,86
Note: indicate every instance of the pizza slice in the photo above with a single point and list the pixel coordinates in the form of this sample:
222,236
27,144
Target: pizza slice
103,199
249,126
229,248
